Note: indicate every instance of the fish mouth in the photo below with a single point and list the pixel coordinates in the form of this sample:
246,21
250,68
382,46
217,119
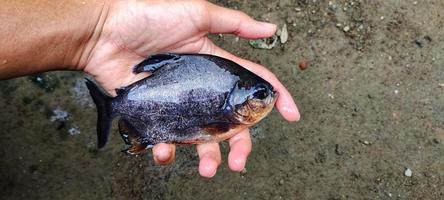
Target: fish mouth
268,104
274,96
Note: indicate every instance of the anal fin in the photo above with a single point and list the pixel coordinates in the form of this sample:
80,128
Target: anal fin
131,137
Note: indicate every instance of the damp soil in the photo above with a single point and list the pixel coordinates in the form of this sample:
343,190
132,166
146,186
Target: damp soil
371,96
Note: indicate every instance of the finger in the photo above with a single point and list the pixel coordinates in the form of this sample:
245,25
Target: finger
164,154
225,20
240,148
210,159
285,103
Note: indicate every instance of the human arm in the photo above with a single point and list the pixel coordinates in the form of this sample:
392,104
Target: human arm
40,35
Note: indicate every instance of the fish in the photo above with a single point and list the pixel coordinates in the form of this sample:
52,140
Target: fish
186,99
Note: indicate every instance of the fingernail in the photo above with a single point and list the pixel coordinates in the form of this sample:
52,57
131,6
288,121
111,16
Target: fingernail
240,164
268,25
289,109
208,168
292,110
163,155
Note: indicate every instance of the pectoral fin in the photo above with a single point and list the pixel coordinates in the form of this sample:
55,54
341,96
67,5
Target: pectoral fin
217,128
131,137
219,131
155,62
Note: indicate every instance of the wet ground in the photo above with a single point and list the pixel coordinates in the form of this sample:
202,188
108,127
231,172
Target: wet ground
371,99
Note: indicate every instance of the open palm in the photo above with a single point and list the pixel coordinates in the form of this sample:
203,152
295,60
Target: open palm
130,31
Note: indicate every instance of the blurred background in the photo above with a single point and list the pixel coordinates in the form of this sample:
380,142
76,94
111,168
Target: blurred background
368,77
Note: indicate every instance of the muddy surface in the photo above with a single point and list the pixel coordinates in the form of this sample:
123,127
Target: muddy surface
371,99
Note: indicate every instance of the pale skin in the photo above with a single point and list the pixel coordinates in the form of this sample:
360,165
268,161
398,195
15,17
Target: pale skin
106,38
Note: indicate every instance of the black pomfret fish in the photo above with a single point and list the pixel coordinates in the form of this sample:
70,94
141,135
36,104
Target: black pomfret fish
187,99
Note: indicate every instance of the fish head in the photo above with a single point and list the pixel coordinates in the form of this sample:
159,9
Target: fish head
250,101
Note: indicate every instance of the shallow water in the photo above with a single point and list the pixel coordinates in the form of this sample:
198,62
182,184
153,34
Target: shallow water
371,104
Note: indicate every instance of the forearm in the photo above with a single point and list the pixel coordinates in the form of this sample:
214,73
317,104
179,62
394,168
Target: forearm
43,35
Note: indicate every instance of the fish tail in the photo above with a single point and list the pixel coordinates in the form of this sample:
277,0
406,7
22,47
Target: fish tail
104,112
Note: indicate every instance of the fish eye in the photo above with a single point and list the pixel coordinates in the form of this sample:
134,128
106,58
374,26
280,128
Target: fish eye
261,93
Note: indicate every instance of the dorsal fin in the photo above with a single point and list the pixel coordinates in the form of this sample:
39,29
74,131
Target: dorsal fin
120,91
155,62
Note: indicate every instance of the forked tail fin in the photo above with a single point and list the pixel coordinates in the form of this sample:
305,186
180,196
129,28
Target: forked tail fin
104,112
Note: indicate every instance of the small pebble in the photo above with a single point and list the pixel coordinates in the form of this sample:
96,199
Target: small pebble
346,28
419,43
408,172
428,38
365,142
441,85
284,34
303,64
338,150
74,131
58,114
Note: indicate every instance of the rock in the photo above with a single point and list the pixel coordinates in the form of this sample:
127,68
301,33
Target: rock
74,131
419,43
284,34
45,82
365,142
267,43
80,94
303,64
338,150
59,115
408,172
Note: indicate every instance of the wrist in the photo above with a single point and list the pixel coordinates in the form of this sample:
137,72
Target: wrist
83,38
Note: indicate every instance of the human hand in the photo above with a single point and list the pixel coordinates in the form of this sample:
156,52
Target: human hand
129,31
